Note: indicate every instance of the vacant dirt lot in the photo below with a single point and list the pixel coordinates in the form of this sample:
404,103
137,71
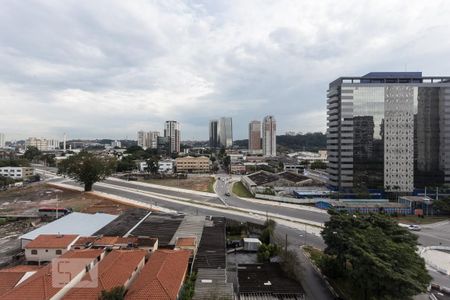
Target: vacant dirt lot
197,183
27,200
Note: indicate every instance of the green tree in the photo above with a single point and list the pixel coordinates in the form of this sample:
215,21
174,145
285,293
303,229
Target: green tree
32,153
152,166
376,255
266,252
317,164
127,163
116,293
87,168
442,206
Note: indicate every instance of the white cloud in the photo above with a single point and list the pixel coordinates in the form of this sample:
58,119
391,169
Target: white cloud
110,68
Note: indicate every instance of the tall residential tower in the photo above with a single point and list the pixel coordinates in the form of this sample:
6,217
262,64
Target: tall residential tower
225,132
213,137
388,131
172,131
269,128
254,137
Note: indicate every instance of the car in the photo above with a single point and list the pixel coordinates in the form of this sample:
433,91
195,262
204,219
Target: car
227,194
414,227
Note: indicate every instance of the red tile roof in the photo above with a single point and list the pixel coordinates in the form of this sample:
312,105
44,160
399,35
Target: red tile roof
186,242
84,241
39,285
11,276
22,268
162,276
115,240
51,241
114,270
8,280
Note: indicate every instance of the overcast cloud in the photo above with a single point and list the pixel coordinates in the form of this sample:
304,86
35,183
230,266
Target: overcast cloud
109,68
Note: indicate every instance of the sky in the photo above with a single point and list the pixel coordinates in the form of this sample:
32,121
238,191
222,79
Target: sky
106,69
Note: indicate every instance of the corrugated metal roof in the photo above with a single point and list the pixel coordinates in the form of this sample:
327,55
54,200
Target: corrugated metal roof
212,284
190,226
74,223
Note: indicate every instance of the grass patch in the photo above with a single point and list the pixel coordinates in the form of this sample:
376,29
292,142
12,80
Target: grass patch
212,180
425,220
241,191
197,183
314,253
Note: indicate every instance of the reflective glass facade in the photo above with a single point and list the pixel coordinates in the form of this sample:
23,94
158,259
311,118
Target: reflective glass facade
388,135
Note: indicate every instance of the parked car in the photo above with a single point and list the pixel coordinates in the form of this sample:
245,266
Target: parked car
414,227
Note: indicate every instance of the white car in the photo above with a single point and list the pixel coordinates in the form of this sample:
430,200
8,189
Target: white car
414,227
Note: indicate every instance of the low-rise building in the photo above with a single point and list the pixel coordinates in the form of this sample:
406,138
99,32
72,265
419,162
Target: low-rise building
16,172
118,269
166,166
259,181
190,164
162,276
364,206
418,205
238,168
49,246
49,283
186,243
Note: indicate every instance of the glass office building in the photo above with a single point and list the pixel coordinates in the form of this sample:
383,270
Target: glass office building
388,131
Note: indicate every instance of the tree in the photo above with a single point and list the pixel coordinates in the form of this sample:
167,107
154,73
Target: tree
376,255
442,206
317,164
87,168
116,293
32,153
126,164
152,166
267,251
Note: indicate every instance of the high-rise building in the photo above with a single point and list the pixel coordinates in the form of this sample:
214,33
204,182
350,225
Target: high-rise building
2,140
388,131
225,132
254,137
269,128
172,131
42,144
213,137
147,139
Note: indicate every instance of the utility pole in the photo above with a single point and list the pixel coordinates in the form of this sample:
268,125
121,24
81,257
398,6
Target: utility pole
286,247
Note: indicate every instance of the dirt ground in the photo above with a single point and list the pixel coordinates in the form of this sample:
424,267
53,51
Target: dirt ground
196,183
27,200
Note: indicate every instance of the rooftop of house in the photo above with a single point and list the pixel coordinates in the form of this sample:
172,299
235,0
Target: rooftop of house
10,277
52,241
40,284
186,242
147,241
114,240
162,276
73,223
266,279
113,271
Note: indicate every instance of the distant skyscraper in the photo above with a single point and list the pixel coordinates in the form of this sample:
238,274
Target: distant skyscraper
172,131
269,136
388,131
42,144
225,132
147,139
2,140
254,137
213,137
141,138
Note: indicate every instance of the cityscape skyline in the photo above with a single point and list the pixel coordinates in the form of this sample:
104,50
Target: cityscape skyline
87,78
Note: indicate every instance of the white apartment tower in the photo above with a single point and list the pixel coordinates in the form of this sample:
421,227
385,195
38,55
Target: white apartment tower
269,128
147,139
172,131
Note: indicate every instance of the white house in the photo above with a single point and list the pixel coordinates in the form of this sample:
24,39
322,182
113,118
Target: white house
16,172
165,166
49,246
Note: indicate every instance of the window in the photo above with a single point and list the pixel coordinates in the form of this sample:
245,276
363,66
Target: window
34,252
58,252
